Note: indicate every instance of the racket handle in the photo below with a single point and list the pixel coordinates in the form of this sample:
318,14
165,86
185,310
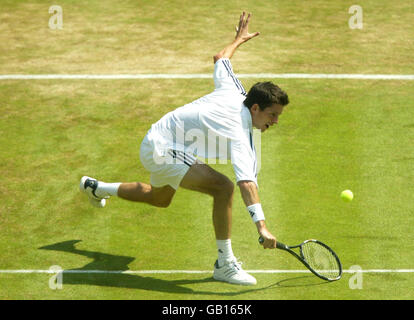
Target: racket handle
279,245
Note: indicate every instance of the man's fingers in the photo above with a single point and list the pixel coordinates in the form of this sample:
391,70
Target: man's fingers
269,244
244,22
241,20
248,18
242,29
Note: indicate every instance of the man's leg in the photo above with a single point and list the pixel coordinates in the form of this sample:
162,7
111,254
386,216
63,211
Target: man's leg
202,178
142,192
98,191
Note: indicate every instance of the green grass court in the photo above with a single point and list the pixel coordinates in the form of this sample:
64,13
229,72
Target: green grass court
334,135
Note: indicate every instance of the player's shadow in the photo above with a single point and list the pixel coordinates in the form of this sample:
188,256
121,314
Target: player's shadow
116,264
108,262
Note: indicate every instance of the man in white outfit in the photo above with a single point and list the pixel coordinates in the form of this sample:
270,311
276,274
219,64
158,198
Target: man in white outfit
169,152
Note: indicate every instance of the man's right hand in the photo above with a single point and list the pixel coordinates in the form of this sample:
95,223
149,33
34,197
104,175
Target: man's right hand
269,240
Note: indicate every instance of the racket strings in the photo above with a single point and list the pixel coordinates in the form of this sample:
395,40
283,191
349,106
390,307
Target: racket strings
321,259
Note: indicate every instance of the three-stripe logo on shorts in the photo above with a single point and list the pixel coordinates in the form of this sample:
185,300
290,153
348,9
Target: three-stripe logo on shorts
181,157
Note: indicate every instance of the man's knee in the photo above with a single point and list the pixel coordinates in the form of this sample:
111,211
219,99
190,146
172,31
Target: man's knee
204,179
163,202
223,187
162,197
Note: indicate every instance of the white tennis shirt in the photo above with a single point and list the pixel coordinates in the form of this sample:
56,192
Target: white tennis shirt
215,126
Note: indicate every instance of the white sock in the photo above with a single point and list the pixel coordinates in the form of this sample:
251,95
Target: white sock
225,253
107,189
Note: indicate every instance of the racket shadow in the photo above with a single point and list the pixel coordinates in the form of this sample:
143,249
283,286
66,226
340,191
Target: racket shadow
302,281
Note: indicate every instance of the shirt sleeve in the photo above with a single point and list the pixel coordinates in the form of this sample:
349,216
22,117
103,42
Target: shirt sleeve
224,77
243,159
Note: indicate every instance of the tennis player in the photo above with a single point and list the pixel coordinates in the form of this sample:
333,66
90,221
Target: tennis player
228,113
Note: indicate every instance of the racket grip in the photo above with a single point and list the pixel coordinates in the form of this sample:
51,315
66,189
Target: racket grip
282,246
279,245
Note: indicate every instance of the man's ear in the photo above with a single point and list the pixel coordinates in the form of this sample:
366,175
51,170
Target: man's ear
255,107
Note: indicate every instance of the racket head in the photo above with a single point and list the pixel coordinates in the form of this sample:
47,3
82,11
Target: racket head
321,260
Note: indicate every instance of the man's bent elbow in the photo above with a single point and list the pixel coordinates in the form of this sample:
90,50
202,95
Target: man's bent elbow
217,57
246,184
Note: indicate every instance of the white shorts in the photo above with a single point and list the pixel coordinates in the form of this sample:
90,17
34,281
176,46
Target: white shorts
168,169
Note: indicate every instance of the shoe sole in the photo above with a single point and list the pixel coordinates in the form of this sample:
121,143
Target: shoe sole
215,277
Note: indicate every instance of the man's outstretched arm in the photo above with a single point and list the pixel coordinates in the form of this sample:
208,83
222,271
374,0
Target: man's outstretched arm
242,36
250,197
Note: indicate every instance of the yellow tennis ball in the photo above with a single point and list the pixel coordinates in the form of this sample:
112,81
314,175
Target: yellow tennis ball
347,195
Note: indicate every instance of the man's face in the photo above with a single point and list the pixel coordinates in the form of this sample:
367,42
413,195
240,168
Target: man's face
263,120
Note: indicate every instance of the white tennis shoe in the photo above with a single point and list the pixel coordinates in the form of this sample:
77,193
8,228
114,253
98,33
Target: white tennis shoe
233,273
89,185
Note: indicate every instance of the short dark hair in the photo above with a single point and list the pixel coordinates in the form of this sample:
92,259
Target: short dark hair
265,94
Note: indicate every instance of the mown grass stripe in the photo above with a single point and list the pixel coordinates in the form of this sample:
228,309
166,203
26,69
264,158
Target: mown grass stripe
205,76
24,271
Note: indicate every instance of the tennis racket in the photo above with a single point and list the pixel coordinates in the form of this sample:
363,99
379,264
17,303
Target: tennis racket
321,260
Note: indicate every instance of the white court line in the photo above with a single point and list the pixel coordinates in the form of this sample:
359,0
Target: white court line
193,271
204,76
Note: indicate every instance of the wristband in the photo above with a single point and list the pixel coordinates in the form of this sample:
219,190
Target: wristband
256,212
